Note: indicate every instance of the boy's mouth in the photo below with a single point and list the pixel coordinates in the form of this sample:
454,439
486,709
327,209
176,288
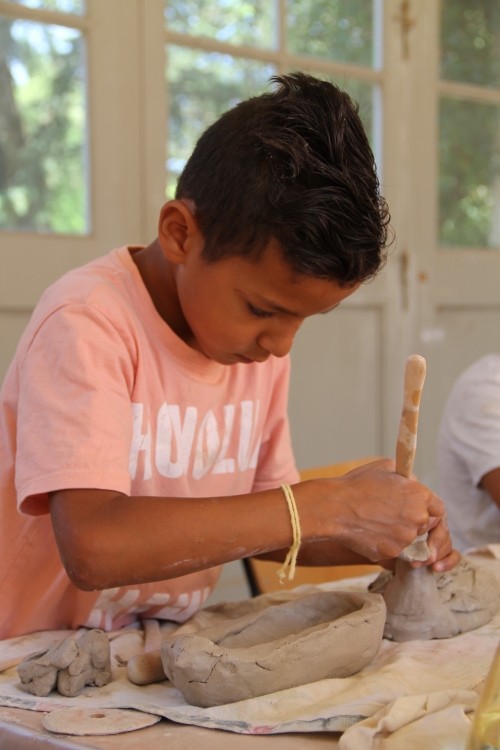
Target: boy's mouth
248,361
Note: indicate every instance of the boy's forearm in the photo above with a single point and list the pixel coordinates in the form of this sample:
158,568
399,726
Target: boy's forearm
107,539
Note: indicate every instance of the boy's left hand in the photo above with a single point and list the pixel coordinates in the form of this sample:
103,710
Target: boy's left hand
443,557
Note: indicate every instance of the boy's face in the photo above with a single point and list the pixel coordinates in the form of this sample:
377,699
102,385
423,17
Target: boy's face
242,310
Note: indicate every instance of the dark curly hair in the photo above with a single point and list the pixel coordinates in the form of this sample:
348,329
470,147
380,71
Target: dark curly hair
295,165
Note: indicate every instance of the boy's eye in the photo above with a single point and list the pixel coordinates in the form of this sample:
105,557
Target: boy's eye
258,312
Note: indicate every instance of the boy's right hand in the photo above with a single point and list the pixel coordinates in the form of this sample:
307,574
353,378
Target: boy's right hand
108,539
373,511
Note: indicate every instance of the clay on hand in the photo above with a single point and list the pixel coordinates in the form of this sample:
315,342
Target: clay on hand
69,663
315,637
422,605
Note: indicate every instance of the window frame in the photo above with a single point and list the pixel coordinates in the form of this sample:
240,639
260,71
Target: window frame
118,191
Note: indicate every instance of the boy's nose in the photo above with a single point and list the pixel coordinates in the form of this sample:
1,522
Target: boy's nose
279,343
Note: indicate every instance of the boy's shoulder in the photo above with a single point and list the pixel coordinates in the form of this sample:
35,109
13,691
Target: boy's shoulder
107,301
105,288
91,284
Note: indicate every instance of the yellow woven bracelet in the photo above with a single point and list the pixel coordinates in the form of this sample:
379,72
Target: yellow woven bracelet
291,558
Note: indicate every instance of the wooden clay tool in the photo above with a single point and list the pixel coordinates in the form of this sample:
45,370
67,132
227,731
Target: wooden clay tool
407,442
142,669
414,608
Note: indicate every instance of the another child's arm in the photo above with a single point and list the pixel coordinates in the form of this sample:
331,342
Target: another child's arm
491,483
107,539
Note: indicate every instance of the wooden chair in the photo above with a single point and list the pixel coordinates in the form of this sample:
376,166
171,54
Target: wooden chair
261,574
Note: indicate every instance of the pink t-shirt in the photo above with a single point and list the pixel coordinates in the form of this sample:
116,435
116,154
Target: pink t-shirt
103,394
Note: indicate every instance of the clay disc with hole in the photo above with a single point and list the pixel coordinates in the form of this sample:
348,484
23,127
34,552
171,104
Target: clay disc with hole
82,721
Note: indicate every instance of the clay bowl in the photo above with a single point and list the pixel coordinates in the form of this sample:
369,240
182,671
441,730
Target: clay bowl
320,636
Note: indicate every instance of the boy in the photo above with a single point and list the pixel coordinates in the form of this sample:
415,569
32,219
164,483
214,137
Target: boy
146,405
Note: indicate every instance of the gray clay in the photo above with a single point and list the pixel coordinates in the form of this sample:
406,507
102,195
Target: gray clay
69,663
417,551
423,605
414,608
145,668
315,637
90,667
471,592
37,673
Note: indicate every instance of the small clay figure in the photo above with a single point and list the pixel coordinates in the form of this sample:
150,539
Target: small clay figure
415,610
70,663
423,605
90,667
319,636
38,671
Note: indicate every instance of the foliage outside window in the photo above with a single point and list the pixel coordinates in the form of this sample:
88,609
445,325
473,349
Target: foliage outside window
42,128
469,144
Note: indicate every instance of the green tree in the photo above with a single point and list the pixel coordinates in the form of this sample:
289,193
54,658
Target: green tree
470,41
201,87
336,29
42,128
469,149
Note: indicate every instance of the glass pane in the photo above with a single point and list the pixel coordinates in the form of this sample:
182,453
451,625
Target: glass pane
336,29
42,128
226,20
63,6
469,180
470,41
203,85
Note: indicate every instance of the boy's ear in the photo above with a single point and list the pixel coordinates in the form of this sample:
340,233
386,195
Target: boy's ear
178,231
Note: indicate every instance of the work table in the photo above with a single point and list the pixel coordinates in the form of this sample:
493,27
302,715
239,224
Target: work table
23,730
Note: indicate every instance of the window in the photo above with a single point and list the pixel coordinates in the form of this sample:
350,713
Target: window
469,146
43,131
